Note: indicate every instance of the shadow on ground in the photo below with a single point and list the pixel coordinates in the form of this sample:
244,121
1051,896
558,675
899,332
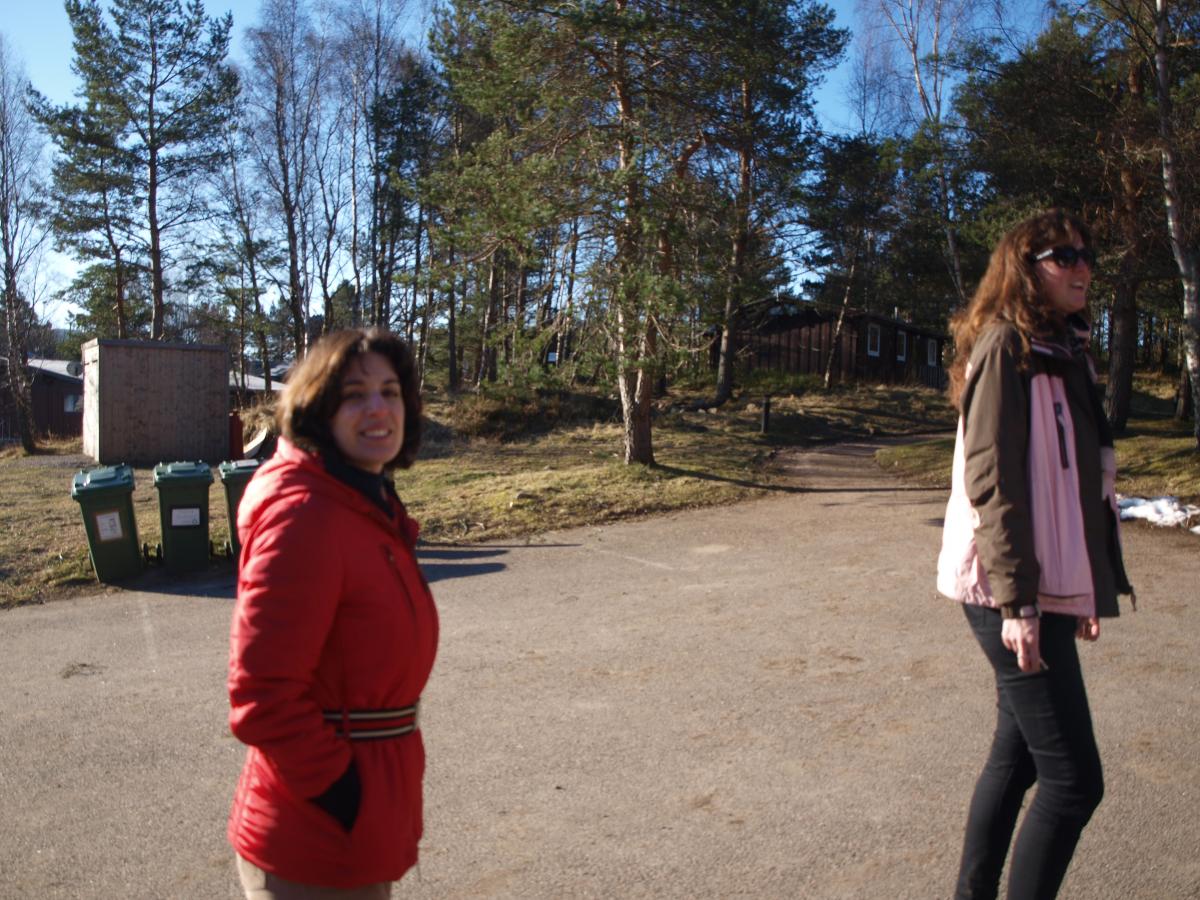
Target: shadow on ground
441,562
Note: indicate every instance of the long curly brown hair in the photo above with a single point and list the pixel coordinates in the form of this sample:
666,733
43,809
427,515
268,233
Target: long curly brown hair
1009,291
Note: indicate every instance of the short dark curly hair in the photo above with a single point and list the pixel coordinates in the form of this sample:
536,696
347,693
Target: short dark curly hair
314,390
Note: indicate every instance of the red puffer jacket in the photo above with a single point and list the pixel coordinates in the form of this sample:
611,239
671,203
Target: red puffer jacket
333,618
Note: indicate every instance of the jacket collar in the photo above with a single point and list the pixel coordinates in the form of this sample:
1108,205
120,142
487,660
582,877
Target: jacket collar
377,489
313,467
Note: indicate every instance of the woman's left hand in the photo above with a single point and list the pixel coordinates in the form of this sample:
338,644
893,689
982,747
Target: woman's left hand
1088,628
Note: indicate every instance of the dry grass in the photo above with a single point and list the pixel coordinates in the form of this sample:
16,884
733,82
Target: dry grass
572,474
492,467
1156,455
43,547
510,464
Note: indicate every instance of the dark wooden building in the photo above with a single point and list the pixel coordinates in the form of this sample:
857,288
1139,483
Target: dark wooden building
57,394
871,347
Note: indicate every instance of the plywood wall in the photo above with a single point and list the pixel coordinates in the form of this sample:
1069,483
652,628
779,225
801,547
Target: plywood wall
147,402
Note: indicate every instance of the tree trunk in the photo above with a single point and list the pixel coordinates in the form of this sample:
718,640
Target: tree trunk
355,267
487,352
736,276
1122,347
156,264
17,356
560,353
287,199
454,373
737,262
114,247
837,330
635,327
119,292
1185,256
260,333
725,356
1164,346
1184,403
416,282
19,387
635,386
15,345
295,292
423,347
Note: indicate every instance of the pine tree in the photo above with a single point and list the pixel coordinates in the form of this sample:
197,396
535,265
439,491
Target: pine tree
153,86
615,112
94,200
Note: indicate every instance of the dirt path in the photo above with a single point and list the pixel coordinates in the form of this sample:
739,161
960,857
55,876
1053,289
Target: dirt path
765,700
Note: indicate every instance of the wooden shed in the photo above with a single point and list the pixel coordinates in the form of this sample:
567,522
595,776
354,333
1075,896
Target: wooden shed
871,347
147,402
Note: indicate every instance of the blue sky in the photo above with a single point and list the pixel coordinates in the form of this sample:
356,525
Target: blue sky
41,36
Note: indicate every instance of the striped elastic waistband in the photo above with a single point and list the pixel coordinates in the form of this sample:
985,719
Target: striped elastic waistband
373,724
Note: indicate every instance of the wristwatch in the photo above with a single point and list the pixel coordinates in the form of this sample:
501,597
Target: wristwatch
1029,611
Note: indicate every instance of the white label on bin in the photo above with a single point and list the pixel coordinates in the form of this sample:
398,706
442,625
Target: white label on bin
185,516
108,526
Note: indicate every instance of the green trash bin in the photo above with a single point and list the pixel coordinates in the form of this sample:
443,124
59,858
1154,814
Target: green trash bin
105,498
235,475
183,510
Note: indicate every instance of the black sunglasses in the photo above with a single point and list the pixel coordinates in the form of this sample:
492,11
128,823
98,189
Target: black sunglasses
1066,256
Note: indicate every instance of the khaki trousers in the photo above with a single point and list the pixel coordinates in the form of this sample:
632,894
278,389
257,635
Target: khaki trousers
262,885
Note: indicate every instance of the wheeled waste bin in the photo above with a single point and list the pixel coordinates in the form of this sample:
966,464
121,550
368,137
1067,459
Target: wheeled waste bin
235,475
105,498
183,510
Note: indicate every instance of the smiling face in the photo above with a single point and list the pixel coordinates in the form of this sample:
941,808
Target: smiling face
368,426
1064,290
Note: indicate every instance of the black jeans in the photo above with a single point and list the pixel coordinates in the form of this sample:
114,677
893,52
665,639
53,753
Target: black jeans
1044,735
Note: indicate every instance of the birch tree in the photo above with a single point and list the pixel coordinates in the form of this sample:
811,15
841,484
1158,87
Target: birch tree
1183,246
21,238
371,58
283,89
927,32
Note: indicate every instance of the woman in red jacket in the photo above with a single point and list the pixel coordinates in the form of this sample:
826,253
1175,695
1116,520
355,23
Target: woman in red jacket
334,634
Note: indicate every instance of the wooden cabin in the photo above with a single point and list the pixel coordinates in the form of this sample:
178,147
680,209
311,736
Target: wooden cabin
871,347
56,392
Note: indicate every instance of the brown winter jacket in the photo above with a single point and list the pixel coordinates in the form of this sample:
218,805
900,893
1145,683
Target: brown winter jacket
1032,516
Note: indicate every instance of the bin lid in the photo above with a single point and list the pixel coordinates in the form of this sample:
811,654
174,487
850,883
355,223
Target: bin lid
237,468
103,478
182,472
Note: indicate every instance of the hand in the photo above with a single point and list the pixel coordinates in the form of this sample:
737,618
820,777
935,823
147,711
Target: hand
1021,637
1088,628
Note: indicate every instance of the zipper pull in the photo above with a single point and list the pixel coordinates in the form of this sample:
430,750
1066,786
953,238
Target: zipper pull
1062,434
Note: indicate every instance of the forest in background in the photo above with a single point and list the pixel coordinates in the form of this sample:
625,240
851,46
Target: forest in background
592,192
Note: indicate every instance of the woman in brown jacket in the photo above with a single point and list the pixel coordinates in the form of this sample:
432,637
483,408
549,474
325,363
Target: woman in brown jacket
1030,547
